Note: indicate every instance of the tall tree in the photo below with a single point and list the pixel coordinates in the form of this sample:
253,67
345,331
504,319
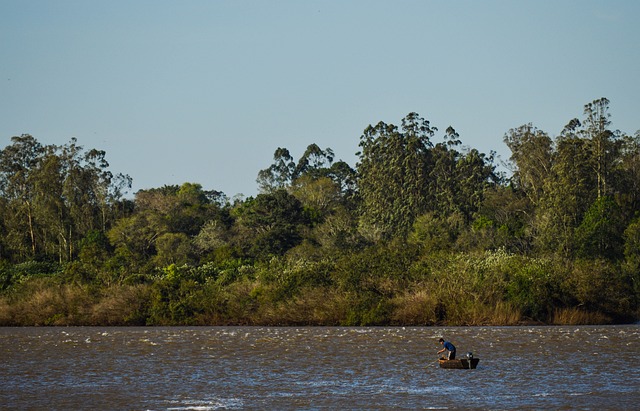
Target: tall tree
17,163
270,224
604,143
568,192
58,194
345,177
54,222
89,191
279,174
531,153
628,178
442,176
314,163
475,173
393,171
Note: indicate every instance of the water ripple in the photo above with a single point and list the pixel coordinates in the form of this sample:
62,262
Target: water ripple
213,368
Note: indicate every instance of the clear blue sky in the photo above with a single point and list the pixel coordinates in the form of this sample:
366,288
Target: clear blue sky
205,91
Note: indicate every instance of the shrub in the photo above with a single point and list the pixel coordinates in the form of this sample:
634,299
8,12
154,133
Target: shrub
600,286
533,289
122,305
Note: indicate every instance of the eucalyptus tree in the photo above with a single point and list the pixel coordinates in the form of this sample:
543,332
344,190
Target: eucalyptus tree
346,178
531,154
568,193
87,192
459,179
57,194
393,172
604,143
90,193
628,178
585,170
442,176
279,174
55,225
17,164
475,173
314,163
322,186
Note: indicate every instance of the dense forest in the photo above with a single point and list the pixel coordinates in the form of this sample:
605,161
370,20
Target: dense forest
422,231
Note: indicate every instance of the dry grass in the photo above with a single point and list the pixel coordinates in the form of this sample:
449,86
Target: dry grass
121,305
575,316
44,304
473,314
6,313
500,313
312,306
415,308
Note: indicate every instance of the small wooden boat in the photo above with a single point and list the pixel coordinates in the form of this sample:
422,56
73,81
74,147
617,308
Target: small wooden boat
461,364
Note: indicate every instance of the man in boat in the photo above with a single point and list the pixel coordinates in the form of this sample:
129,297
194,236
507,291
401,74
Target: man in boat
447,346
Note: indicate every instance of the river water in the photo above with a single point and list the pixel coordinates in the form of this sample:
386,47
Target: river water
211,368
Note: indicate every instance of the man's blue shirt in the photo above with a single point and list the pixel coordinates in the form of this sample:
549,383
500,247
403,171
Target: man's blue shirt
449,346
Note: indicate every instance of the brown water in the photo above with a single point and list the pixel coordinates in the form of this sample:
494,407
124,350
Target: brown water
213,368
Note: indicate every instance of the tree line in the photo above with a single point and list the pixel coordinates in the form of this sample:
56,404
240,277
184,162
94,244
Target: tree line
422,231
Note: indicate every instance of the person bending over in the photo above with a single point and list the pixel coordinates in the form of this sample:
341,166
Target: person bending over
447,346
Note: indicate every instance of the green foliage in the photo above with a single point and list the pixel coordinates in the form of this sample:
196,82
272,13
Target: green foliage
632,245
534,289
315,163
393,169
367,309
55,196
506,209
600,233
382,269
271,224
338,233
11,275
531,151
283,279
600,286
421,232
402,176
175,296
433,233
173,248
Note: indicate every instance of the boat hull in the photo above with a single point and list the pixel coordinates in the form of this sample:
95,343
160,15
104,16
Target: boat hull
461,364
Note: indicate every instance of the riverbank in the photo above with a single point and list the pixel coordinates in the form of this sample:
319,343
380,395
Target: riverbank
391,287
251,303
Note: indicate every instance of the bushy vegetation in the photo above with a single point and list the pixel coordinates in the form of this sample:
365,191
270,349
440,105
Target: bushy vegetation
418,233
